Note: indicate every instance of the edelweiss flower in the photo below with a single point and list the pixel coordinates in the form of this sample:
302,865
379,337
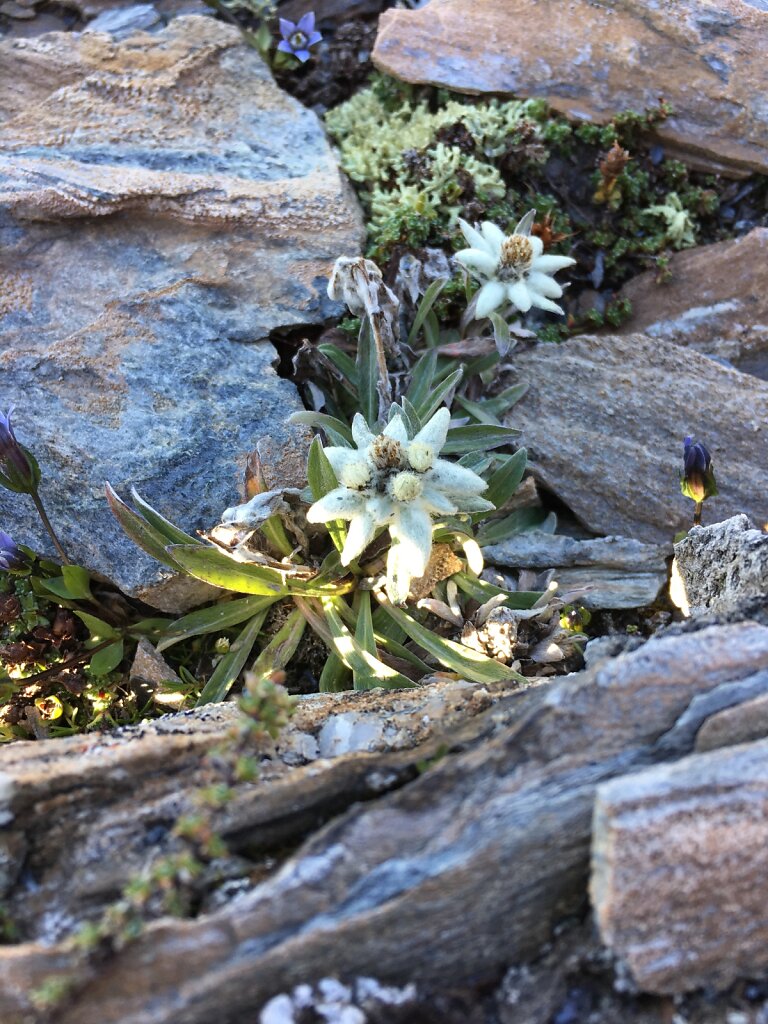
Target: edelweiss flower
511,267
388,480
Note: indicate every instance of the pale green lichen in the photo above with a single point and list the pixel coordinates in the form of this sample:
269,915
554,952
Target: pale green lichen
681,228
395,150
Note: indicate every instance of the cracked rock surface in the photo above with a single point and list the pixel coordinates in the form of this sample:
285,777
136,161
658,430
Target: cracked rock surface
145,257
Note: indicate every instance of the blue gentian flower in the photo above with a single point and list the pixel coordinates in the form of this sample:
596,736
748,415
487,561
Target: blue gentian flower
11,556
18,467
698,479
299,36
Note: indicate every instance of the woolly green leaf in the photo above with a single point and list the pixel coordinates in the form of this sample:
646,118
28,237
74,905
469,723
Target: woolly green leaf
364,636
439,394
367,669
172,534
482,591
147,537
503,402
497,530
422,377
430,297
282,647
335,675
500,333
322,479
467,663
213,619
505,480
218,569
476,437
342,362
387,635
231,665
367,374
332,426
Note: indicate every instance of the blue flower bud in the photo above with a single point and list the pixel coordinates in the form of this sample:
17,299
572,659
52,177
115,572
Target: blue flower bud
19,470
698,478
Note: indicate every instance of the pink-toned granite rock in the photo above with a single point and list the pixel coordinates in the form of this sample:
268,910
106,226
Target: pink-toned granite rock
716,301
592,58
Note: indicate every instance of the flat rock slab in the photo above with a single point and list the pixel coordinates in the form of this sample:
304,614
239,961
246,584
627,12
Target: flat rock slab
680,869
604,421
594,58
722,566
161,201
716,301
613,571
741,723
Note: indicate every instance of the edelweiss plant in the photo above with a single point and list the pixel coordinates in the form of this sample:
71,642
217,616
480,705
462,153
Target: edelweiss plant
512,269
354,570
386,514
390,481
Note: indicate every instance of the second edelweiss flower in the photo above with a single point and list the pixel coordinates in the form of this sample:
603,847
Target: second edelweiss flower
389,480
512,267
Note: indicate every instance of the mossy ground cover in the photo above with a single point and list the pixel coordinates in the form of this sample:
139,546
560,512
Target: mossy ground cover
609,195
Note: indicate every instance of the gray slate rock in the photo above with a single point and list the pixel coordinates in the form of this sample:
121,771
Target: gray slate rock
197,207
124,21
616,572
604,421
723,566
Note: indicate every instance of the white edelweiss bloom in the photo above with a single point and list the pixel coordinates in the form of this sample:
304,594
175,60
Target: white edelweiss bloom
390,481
511,268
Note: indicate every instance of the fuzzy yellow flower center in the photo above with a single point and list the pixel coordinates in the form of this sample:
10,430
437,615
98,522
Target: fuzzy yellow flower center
406,486
516,257
386,452
355,475
421,457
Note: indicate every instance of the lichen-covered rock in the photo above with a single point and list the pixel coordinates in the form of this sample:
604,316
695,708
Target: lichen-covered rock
722,566
716,301
604,420
599,57
161,202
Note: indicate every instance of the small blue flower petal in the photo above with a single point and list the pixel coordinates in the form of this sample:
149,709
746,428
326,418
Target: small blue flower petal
306,22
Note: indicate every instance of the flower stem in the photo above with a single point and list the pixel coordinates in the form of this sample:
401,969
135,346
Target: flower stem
47,524
697,513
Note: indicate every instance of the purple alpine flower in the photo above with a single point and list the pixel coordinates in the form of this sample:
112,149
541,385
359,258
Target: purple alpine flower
299,36
11,556
18,469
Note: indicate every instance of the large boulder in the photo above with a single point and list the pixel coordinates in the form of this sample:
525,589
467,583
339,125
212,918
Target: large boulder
604,420
594,58
162,202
